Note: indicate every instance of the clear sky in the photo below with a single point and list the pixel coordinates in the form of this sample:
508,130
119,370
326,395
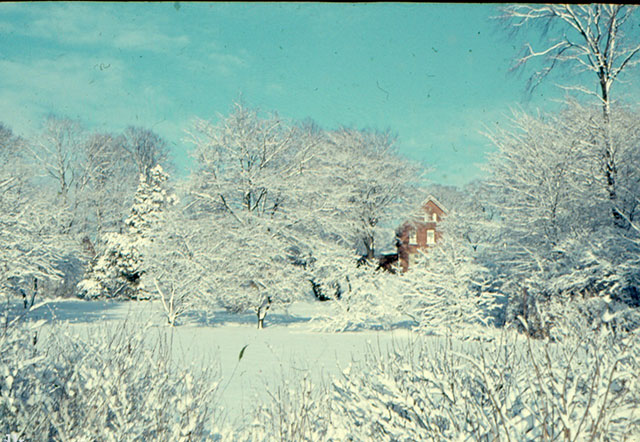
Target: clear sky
434,74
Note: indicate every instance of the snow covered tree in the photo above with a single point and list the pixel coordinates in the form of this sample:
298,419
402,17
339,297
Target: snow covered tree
281,196
595,39
178,261
95,174
367,184
248,197
30,248
116,270
553,210
118,267
87,182
361,188
446,290
150,200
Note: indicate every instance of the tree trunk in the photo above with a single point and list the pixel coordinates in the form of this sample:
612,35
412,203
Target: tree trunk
35,292
369,247
609,165
262,311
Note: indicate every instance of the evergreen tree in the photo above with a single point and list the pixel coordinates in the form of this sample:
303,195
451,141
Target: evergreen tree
116,271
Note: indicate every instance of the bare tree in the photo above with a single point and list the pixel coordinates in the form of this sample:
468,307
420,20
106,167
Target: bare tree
56,150
106,183
594,38
597,39
94,176
146,148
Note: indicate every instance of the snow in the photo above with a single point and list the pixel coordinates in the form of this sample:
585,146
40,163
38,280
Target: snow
362,384
289,345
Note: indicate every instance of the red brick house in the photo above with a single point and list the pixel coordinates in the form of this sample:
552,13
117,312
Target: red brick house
421,232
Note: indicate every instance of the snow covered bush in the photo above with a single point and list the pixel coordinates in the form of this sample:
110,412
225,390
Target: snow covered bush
586,388
20,359
116,385
296,410
370,299
510,387
117,269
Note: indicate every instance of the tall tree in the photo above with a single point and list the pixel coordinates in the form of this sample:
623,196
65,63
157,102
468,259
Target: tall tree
117,270
29,246
57,149
594,38
366,185
598,39
554,237
106,184
249,190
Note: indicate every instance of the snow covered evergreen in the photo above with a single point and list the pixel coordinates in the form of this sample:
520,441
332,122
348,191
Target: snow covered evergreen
117,270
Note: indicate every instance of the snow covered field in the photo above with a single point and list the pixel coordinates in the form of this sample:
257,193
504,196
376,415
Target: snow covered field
364,385
289,347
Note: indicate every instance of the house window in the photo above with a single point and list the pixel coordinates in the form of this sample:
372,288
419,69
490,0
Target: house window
431,236
413,237
434,217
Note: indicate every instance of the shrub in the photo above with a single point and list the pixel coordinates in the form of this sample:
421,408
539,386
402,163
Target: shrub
512,388
117,385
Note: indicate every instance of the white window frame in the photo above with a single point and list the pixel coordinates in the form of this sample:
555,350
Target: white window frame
431,236
434,217
413,238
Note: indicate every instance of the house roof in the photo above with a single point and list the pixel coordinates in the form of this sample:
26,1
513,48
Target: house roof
436,202
416,217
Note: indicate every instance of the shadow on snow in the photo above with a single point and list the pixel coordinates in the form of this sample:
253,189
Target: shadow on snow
68,310
221,317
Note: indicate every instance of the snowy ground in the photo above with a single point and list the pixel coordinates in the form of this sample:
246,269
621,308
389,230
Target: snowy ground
291,348
287,348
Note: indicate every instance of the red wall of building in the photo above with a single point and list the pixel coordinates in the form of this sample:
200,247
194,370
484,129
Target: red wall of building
420,226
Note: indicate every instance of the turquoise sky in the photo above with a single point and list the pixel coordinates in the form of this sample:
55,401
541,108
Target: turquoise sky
435,74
